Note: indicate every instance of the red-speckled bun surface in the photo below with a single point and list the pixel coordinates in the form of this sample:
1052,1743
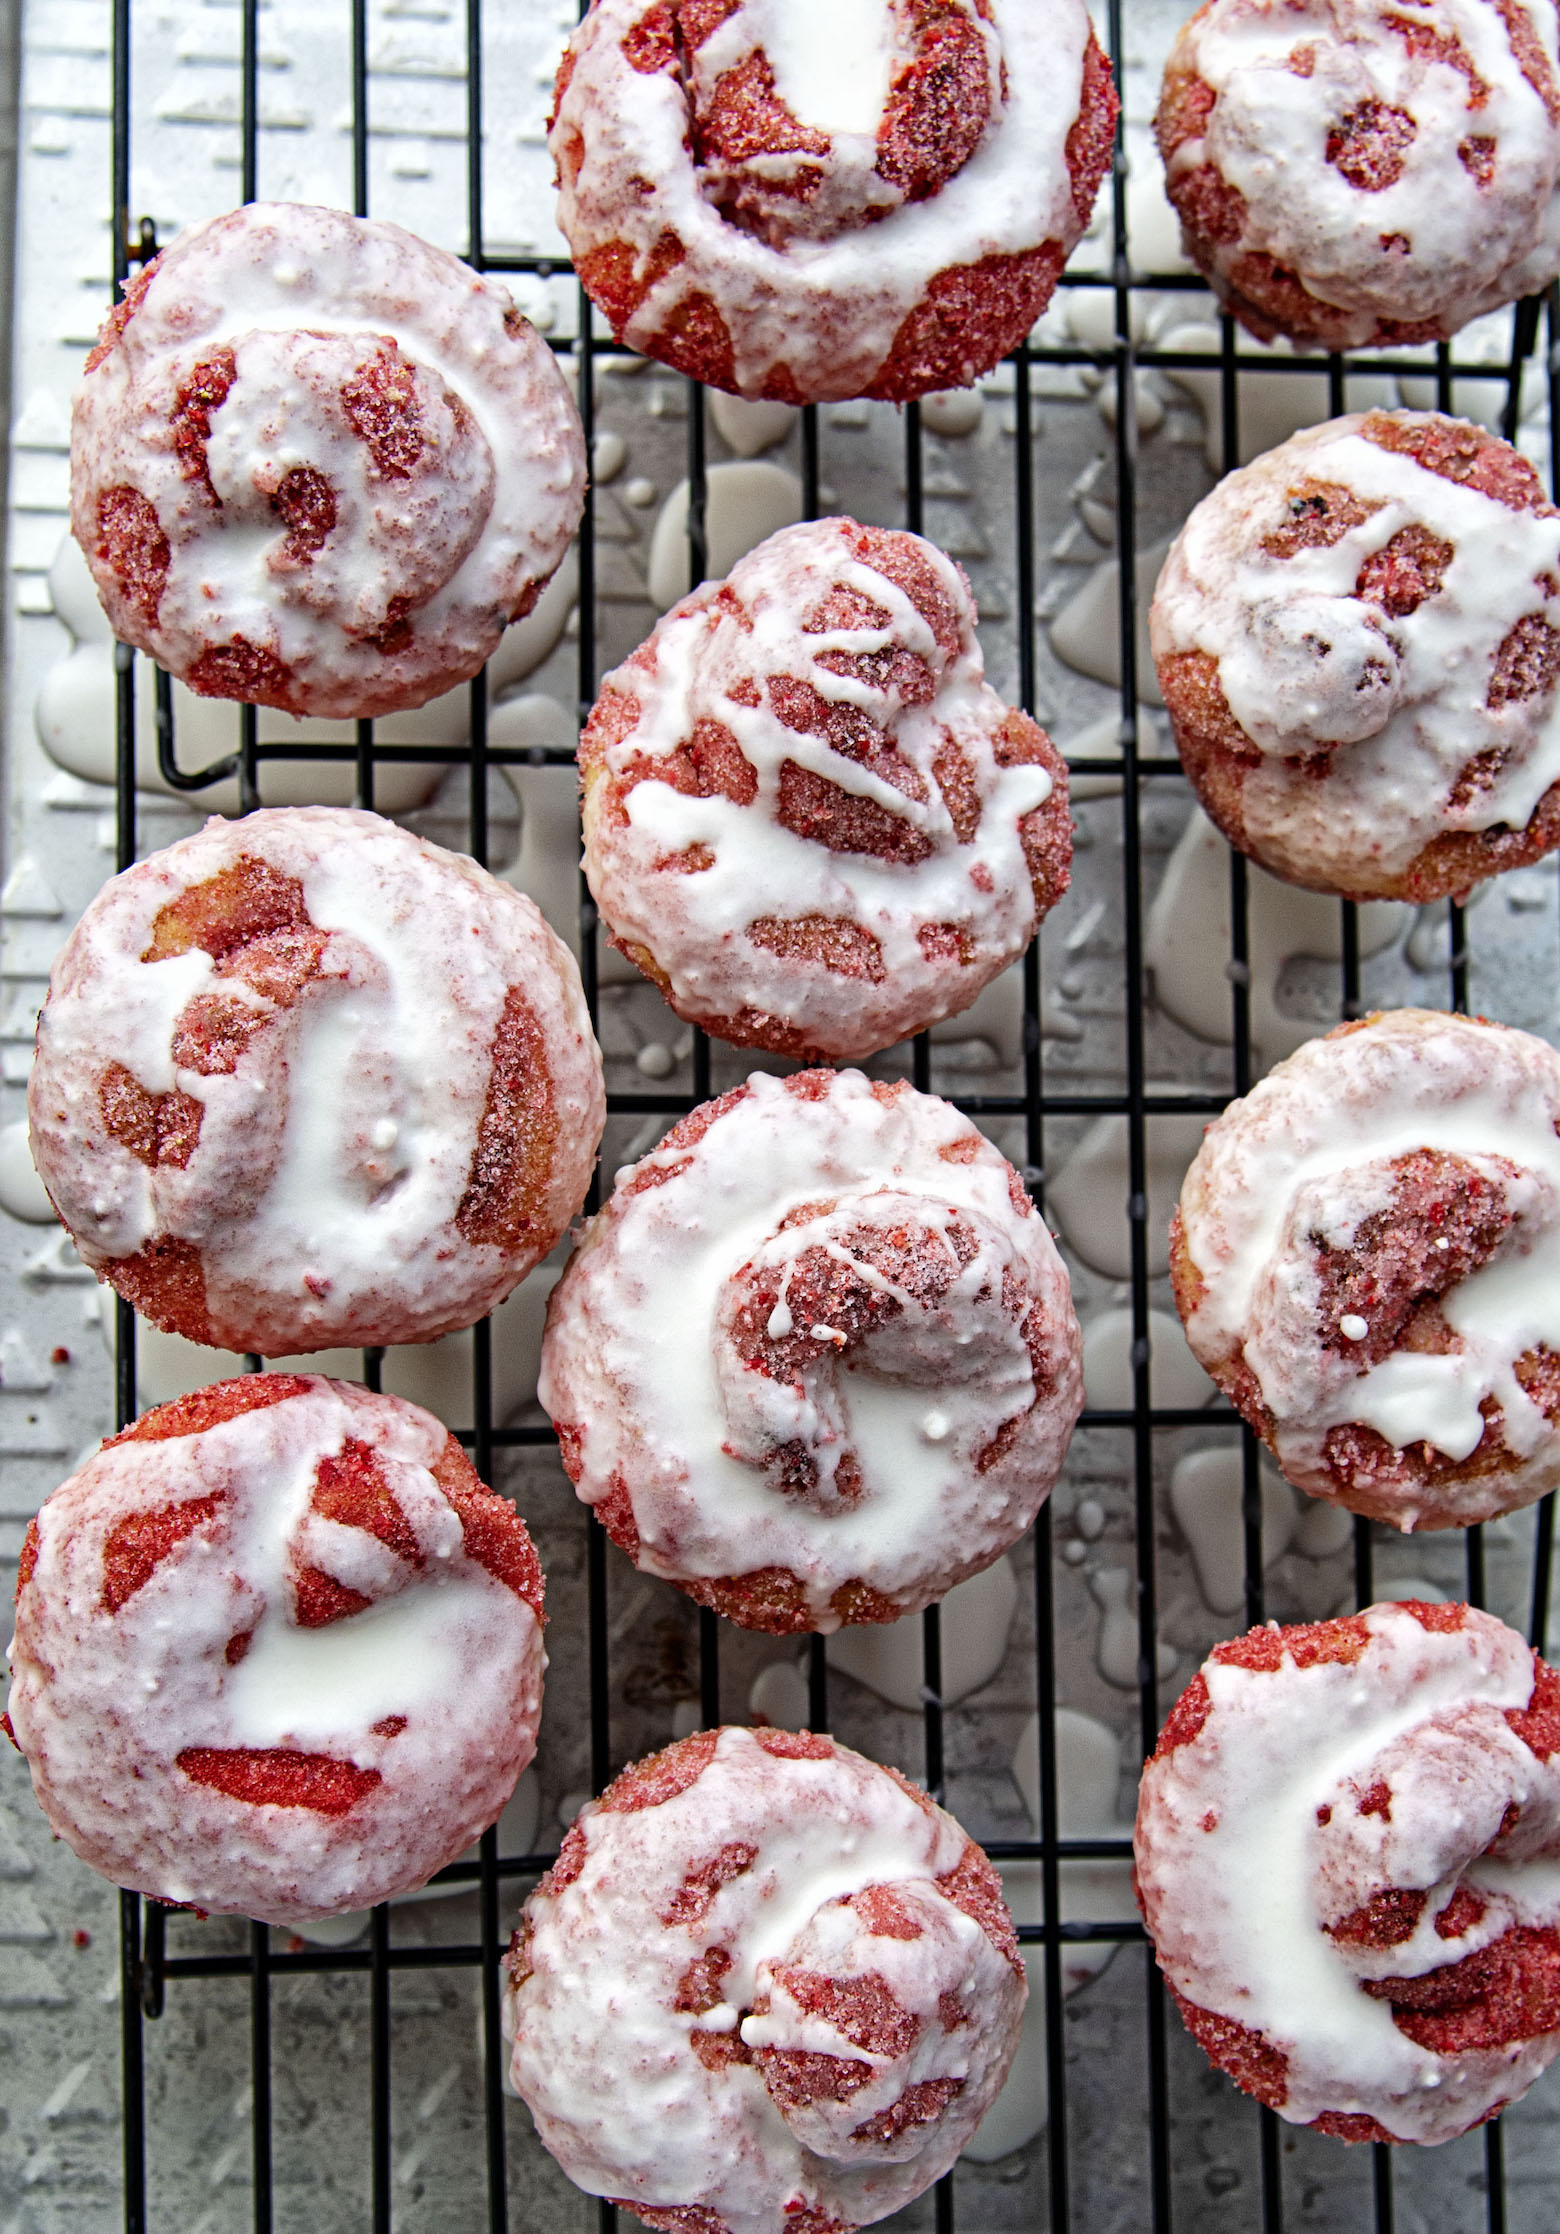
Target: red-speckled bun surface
816,1361
768,1988
1347,1845
319,464
808,817
1358,640
278,1651
797,201
1359,172
307,1079
1366,1257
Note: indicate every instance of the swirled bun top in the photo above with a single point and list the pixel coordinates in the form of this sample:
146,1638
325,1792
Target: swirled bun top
808,816
319,464
767,1986
1358,636
1367,1258
808,199
306,1078
278,1652
1348,1857
817,1359
1351,172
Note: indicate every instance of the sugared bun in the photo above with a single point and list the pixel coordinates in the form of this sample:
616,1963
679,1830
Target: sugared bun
1348,1858
1358,640
816,1361
807,200
319,464
1367,1261
278,1652
808,817
768,1988
306,1079
1355,172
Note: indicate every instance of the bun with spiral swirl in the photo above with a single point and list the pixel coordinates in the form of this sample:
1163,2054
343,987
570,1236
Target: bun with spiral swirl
1353,173
318,464
305,1079
1346,1855
808,816
816,1361
1358,640
278,1651
804,1989
1367,1259
792,199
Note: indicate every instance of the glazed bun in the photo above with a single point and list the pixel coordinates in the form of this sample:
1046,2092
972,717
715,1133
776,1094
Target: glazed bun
305,1079
320,465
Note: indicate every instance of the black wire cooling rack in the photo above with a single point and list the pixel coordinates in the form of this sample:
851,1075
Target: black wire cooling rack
147,1971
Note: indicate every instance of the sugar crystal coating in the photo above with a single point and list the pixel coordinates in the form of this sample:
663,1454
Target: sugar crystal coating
278,1651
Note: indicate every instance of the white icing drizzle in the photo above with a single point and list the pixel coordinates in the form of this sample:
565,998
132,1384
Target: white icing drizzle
456,540
695,923
1308,1151
603,2058
104,1701
824,312
1239,1879
1402,703
333,1159
638,1356
832,59
1434,244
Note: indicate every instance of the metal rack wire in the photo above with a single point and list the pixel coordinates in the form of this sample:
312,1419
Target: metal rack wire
147,1970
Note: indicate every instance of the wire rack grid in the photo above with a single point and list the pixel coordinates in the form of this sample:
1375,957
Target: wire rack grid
147,1970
